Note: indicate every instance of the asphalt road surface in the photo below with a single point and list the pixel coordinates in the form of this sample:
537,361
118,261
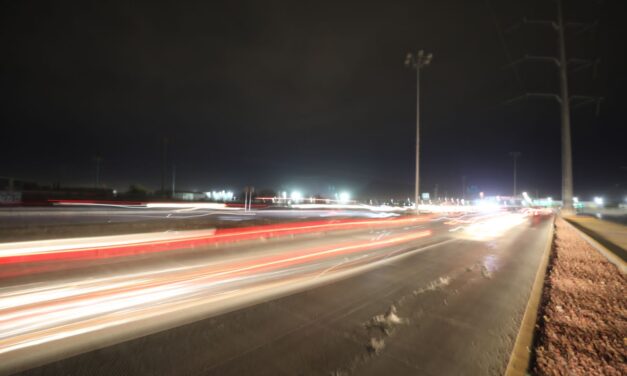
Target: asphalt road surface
425,295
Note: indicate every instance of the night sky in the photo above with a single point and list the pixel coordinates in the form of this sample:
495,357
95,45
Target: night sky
304,94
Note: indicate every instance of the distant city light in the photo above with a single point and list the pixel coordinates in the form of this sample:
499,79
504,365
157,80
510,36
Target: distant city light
575,200
220,195
598,200
344,197
296,196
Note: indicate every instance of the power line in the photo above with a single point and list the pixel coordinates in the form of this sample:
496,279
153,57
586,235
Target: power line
503,43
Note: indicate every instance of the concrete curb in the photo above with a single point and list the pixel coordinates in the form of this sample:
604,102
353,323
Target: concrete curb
521,353
609,255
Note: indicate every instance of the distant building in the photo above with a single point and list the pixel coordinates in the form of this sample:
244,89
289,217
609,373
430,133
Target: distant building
17,191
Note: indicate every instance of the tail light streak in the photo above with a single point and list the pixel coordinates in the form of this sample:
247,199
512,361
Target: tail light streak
128,245
32,315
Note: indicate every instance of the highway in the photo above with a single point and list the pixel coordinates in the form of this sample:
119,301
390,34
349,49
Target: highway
403,295
67,221
14,217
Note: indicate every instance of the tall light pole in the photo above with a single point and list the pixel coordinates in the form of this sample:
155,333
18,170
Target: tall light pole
164,163
173,180
98,160
515,155
418,61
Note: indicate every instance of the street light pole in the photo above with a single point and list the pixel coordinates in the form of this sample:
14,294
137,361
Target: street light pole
515,155
98,160
418,61
164,164
173,180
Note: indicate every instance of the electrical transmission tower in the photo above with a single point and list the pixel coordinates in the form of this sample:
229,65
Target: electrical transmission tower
564,66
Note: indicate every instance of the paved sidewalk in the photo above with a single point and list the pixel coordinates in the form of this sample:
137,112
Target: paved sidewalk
610,234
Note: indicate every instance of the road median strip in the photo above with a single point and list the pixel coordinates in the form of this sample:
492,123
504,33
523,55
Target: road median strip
581,327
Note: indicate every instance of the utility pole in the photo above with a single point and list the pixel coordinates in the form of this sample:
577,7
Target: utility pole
515,155
563,65
164,163
567,161
418,61
98,159
173,179
246,198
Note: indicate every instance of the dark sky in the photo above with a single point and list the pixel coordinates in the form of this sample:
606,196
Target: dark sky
302,94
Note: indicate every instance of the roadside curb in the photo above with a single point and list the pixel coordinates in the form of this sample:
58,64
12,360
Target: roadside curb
604,251
521,353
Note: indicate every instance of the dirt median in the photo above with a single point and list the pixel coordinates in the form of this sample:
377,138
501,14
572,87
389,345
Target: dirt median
582,325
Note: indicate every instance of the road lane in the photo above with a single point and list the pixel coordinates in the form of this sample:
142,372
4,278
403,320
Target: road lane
17,224
14,217
202,284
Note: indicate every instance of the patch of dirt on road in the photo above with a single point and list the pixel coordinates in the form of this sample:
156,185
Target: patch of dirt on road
582,325
434,285
385,322
382,327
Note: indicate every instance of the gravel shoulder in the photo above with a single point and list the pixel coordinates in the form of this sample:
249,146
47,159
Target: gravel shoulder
582,326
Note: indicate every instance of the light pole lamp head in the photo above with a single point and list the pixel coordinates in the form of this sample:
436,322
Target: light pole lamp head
428,59
419,60
409,60
424,59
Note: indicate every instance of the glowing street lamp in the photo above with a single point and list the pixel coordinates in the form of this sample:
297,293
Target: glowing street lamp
418,61
344,197
296,196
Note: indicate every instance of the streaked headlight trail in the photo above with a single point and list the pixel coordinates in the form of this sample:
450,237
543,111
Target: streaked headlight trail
165,287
